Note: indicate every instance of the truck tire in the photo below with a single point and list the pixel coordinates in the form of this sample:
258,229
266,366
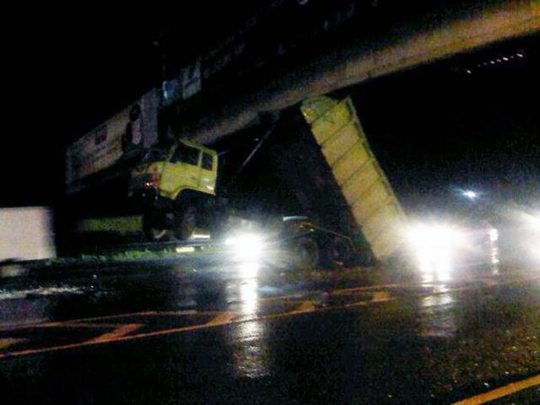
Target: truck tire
135,112
306,254
338,253
155,226
185,222
127,137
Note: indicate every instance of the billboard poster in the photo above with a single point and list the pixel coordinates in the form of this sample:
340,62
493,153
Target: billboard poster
129,131
191,79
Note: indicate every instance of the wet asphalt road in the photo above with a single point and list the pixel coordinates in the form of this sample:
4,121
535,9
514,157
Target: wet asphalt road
266,343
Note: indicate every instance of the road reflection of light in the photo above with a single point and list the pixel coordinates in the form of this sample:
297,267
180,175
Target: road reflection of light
248,270
249,341
437,300
495,260
32,305
435,269
438,318
41,291
250,350
493,235
249,297
494,250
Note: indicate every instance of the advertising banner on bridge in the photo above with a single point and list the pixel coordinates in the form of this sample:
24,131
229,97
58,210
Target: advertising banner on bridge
278,34
126,133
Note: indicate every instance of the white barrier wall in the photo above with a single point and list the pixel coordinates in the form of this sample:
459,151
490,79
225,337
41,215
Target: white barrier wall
26,233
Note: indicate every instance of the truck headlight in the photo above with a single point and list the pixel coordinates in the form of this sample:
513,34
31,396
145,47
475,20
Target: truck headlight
435,247
247,247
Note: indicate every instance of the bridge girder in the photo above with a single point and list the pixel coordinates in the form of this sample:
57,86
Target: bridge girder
408,47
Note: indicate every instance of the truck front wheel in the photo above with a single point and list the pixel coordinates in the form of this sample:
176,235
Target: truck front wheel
185,222
155,226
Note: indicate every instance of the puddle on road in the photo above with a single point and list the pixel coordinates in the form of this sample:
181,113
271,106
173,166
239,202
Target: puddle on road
248,340
27,306
36,292
437,316
250,350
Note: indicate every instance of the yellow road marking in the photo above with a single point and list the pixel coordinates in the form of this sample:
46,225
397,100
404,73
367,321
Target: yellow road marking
120,331
220,319
97,342
501,392
380,296
305,306
81,322
224,318
490,282
348,291
6,342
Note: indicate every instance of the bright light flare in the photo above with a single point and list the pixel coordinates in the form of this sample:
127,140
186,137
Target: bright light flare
493,235
471,195
185,249
246,247
494,250
527,235
534,221
435,237
435,247
532,233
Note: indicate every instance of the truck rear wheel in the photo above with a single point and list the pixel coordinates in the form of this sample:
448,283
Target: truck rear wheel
306,254
338,253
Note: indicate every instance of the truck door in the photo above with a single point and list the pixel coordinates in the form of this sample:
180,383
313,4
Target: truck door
182,172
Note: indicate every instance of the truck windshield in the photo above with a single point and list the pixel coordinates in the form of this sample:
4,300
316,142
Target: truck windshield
186,154
156,154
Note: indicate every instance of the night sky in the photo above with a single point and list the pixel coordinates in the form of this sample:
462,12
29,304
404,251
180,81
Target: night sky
460,124
444,126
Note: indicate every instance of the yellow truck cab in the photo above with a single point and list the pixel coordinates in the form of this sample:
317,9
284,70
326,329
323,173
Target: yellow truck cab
172,181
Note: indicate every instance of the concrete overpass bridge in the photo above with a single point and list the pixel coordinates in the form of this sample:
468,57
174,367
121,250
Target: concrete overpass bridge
353,58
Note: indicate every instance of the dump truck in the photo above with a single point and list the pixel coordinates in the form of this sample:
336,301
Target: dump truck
310,165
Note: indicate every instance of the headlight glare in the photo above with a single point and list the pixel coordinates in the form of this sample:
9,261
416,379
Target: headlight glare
246,247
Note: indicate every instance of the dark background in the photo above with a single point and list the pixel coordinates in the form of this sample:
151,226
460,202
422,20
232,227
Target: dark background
460,124
448,126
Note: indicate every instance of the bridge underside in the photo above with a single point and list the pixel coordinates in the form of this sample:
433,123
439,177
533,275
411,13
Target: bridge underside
362,59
